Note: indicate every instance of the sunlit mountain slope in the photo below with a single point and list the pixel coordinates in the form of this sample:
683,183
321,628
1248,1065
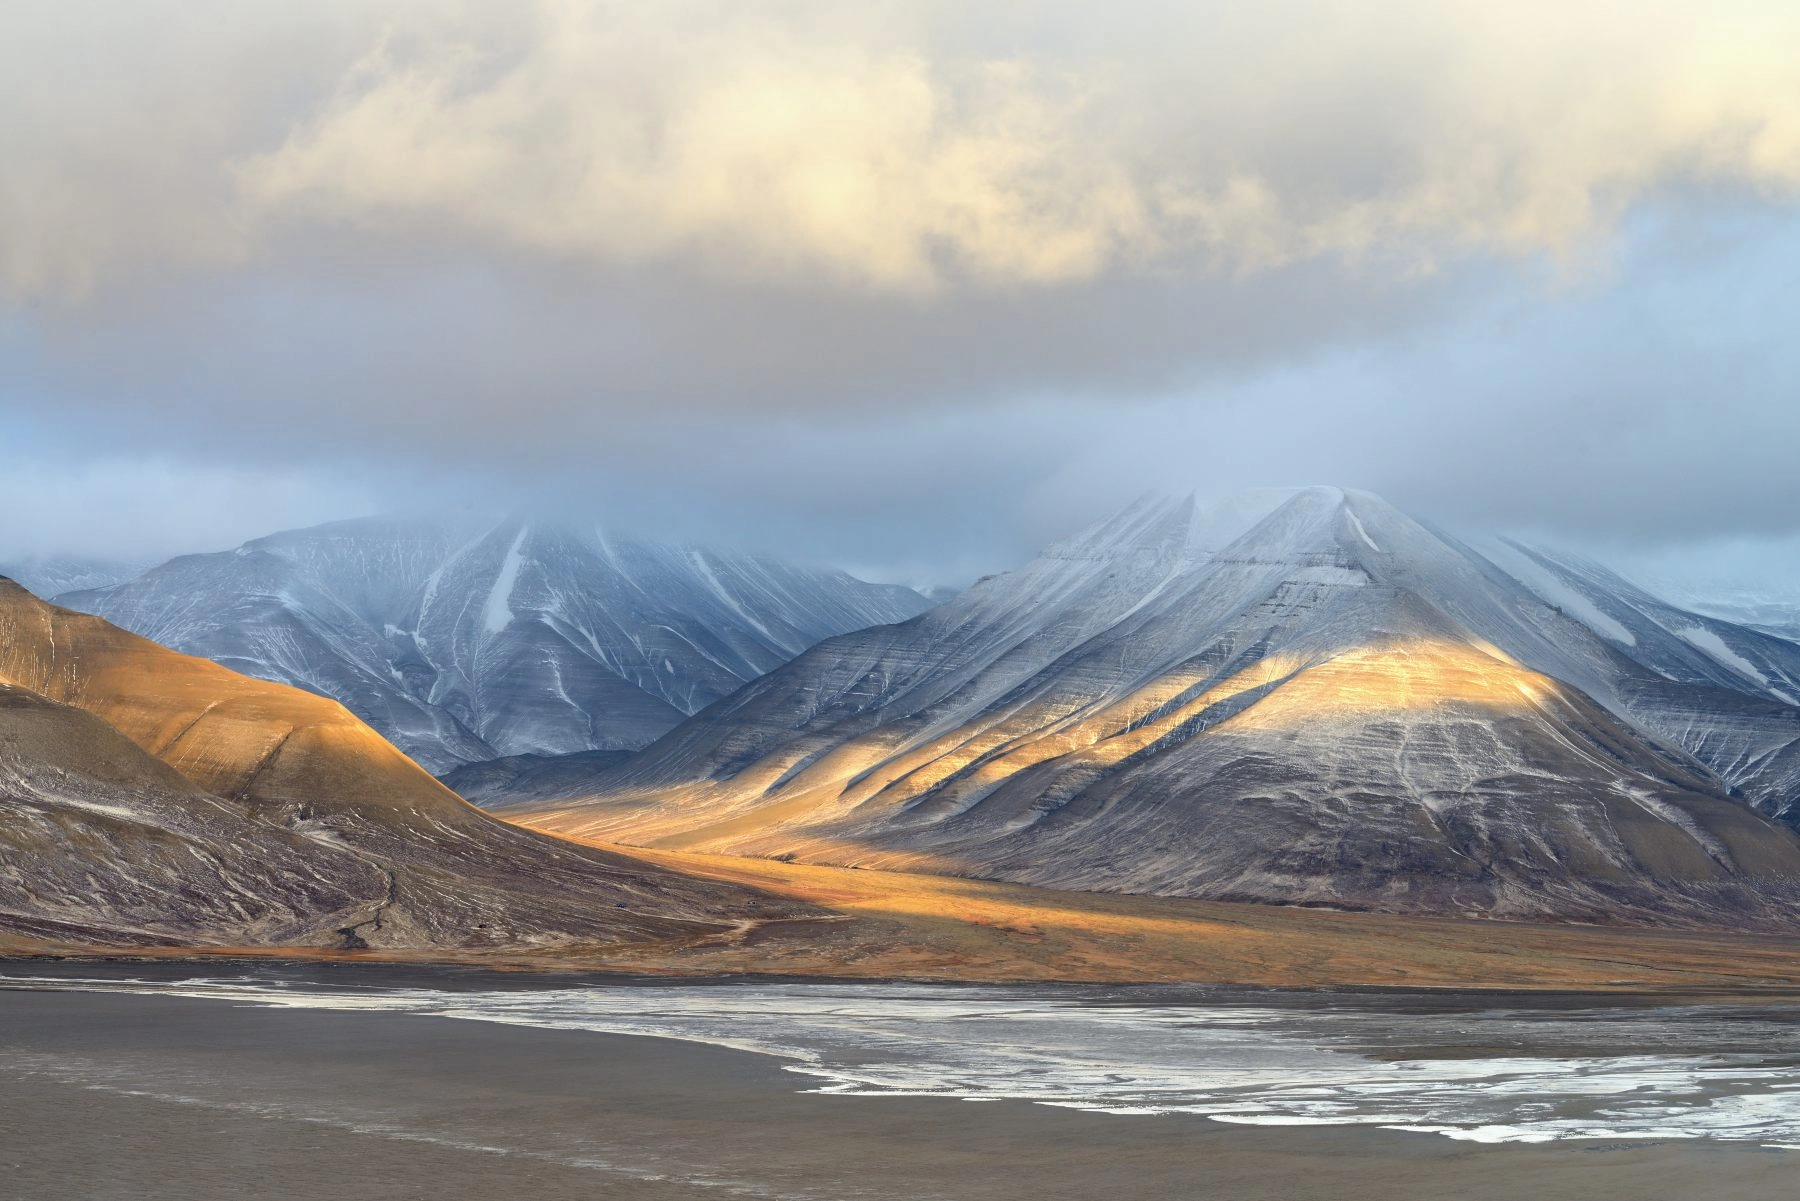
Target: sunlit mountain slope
1322,702
147,796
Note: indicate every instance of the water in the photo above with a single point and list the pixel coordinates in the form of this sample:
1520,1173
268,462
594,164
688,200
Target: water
1464,1067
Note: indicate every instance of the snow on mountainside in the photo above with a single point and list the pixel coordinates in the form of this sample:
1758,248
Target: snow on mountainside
1771,610
148,797
1304,699
1725,693
468,642
47,575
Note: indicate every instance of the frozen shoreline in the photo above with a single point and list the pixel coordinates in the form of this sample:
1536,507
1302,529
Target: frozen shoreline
1475,1067
113,1095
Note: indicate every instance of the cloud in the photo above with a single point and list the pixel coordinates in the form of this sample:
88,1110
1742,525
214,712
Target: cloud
750,147
137,508
770,138
1659,410
952,146
842,275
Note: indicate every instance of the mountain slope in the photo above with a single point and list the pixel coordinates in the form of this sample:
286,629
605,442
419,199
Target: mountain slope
48,575
1336,706
99,840
1770,606
1728,694
152,796
462,643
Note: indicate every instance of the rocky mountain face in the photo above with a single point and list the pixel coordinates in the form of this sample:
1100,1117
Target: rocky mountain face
147,797
493,783
1305,700
1727,694
464,643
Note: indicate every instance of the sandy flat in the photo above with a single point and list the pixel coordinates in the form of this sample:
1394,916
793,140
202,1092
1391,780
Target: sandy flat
124,1097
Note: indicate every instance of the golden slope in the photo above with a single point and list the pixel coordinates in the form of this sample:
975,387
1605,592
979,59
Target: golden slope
429,869
232,735
934,927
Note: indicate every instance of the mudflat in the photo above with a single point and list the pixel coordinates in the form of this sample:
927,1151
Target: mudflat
121,1097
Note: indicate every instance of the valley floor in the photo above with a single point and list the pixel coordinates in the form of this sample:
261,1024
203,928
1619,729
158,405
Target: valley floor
897,925
919,926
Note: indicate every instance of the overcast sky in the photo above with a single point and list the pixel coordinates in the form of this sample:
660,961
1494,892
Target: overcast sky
906,287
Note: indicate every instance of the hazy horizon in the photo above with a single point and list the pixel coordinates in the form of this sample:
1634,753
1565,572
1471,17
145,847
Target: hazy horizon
1726,571
908,290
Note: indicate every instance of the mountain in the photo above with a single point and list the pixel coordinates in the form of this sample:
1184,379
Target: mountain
463,643
495,782
150,797
1306,698
101,841
1771,610
48,575
1727,694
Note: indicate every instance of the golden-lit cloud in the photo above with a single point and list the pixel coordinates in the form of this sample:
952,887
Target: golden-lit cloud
789,271
629,137
938,145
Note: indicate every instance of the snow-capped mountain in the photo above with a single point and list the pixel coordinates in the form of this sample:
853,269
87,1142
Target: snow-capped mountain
1304,698
148,797
48,575
1727,694
1771,610
463,643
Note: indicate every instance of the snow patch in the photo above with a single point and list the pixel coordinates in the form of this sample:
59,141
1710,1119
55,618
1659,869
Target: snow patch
1703,639
130,815
1554,591
497,614
1360,531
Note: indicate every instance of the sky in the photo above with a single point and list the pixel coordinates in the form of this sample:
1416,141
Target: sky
911,288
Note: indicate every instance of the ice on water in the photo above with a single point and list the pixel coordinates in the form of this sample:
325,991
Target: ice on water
1499,1074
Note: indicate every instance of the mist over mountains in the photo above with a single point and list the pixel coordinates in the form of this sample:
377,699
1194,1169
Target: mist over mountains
1299,698
464,641
51,575
1291,697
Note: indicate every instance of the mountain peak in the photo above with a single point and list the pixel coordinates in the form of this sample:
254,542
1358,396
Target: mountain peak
1183,525
1155,521
1304,525
466,638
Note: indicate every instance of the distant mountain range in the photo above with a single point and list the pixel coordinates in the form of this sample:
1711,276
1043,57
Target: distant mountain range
464,642
151,798
48,575
1305,698
1773,611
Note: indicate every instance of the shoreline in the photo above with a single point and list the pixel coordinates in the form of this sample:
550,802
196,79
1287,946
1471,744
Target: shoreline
539,970
203,1099
542,974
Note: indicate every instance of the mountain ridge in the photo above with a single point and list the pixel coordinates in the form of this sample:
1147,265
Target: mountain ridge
151,796
464,641
1337,706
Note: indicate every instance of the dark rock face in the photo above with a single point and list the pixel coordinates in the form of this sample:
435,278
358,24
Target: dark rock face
467,643
516,779
1317,702
146,796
